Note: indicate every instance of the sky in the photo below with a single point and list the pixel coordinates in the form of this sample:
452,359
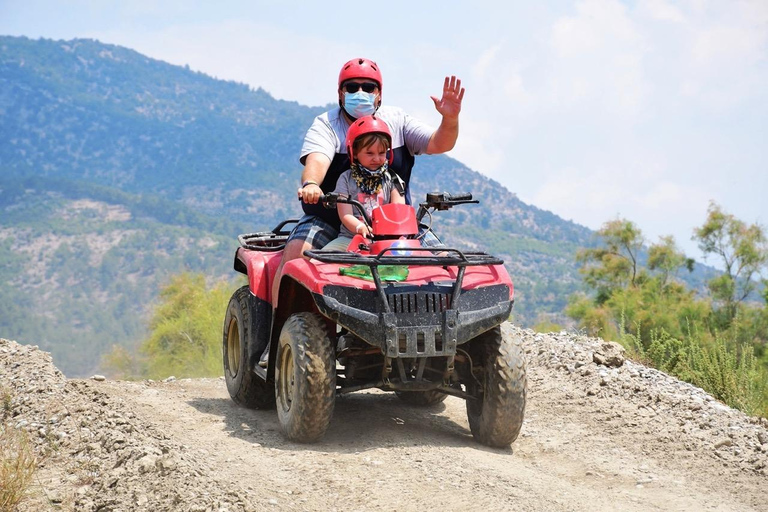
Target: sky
645,110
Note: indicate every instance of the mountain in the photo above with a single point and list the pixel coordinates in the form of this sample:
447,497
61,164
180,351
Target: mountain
118,171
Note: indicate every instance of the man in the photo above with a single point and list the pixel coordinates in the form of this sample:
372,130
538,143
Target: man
324,156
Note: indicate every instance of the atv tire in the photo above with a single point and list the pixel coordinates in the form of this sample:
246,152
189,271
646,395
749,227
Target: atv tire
496,415
421,398
305,378
244,386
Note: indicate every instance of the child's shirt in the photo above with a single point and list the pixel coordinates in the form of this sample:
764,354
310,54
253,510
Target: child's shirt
347,186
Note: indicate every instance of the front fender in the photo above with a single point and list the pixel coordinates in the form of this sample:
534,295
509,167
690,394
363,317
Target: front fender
259,266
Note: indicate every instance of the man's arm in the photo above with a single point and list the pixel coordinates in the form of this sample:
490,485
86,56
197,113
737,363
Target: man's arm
449,106
315,167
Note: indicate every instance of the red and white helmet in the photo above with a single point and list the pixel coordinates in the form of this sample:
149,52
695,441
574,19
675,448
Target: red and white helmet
364,126
360,68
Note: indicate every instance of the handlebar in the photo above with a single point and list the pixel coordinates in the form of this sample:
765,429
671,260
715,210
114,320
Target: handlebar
464,196
331,199
444,200
438,200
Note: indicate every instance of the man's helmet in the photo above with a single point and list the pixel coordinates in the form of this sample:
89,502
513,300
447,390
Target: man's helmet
364,126
360,68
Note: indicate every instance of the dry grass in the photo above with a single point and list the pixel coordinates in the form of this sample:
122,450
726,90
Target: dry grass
18,461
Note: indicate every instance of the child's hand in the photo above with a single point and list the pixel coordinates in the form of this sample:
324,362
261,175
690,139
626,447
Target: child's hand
363,230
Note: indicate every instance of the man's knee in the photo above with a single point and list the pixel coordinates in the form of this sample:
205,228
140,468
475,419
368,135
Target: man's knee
295,249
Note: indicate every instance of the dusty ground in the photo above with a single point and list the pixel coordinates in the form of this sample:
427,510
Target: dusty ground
594,438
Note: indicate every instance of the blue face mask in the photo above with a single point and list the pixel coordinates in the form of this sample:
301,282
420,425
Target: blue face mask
360,104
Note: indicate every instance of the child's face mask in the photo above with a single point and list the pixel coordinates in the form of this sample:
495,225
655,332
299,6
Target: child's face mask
374,172
359,104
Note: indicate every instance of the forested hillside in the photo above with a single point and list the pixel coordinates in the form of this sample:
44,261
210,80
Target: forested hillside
118,171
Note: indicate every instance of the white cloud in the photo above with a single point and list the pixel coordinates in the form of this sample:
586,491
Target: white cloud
486,60
661,10
475,149
305,68
659,206
598,61
724,54
597,25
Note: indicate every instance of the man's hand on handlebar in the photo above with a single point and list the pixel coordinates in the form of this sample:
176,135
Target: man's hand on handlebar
311,193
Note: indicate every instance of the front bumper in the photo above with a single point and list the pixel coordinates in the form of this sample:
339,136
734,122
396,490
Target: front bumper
416,321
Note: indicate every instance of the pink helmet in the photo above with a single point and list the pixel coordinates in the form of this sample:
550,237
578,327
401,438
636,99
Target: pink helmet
364,126
360,68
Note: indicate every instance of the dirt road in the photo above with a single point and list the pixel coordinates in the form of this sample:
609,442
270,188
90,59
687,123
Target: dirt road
594,438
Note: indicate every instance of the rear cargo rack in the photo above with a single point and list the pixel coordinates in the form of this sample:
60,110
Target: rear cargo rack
267,240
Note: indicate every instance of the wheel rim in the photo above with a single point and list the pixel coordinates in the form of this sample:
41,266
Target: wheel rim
233,347
285,379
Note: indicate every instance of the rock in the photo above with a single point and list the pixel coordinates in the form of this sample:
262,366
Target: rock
762,437
723,442
55,496
147,463
99,378
167,464
609,354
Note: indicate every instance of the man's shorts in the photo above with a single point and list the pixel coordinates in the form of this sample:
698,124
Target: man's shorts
318,233
429,239
313,230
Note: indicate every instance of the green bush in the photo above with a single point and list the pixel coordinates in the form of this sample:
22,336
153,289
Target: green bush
726,369
717,343
185,333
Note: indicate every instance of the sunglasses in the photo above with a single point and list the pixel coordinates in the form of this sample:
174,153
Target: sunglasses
352,87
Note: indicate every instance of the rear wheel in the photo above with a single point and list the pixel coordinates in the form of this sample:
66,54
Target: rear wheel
244,386
305,378
496,414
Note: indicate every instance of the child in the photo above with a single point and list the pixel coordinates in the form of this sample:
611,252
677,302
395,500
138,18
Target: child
369,145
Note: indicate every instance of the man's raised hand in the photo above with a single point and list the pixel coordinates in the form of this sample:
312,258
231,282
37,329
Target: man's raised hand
450,104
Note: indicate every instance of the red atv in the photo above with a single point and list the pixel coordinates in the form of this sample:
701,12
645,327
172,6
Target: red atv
387,314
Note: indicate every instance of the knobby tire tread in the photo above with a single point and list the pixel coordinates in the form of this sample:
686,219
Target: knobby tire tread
499,419
246,389
315,386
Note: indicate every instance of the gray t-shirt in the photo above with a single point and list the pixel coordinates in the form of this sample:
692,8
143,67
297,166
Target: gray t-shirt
347,186
328,132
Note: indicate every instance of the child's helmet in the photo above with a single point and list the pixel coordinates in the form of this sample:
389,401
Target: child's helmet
364,126
360,68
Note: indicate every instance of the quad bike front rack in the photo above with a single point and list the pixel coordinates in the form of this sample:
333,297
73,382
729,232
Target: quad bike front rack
441,257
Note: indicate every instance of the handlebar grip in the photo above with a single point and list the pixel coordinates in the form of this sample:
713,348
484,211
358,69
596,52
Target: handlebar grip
464,196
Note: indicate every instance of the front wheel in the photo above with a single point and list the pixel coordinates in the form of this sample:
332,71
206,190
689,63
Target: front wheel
496,413
244,386
305,378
